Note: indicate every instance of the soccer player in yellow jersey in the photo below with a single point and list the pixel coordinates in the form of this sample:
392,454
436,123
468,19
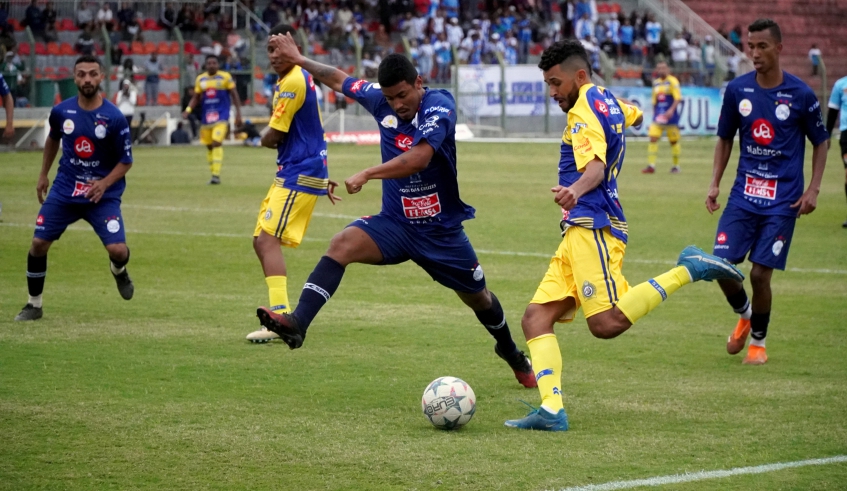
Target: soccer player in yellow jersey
586,269
296,132
666,98
215,91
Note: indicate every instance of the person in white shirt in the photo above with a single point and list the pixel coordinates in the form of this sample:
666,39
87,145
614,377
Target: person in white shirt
126,100
105,16
695,63
679,52
426,54
815,58
455,32
709,60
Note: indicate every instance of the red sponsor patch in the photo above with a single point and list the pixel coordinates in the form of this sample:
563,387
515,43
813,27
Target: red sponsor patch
601,106
39,220
422,207
721,238
84,147
212,116
661,97
211,93
762,131
760,188
311,82
357,85
80,188
403,142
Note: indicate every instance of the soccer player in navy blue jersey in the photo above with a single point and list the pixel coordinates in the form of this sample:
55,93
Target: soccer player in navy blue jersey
96,155
773,112
9,105
422,213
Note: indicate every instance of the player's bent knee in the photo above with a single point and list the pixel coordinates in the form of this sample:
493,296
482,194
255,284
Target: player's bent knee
537,320
478,301
118,252
39,247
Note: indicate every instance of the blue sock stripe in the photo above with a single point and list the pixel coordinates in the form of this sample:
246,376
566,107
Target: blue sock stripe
658,288
609,265
603,265
278,307
542,373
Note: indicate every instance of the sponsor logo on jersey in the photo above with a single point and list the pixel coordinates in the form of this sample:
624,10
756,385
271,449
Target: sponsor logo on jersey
783,94
438,109
748,89
760,188
80,188
762,131
767,152
403,142
68,126
421,207
577,127
212,117
287,95
745,107
357,85
84,147
389,121
583,145
211,93
39,220
100,131
816,105
782,112
588,289
721,238
601,106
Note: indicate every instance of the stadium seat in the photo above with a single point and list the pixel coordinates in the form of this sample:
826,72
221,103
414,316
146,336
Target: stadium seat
260,99
63,72
16,25
173,48
149,47
67,25
39,73
142,99
24,49
318,49
66,49
150,24
173,99
50,72
53,49
163,48
40,49
162,100
137,48
191,48
257,72
124,47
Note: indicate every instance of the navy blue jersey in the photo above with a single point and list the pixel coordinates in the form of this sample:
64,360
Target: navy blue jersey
429,198
93,143
773,125
4,87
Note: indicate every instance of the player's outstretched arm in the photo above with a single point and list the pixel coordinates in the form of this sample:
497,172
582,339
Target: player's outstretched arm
403,165
723,150
330,76
809,201
51,148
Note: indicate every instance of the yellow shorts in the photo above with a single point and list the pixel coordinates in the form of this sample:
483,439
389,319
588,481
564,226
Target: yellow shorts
213,133
587,268
285,214
656,130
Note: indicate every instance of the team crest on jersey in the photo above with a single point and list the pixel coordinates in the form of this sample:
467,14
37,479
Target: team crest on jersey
389,121
588,289
113,225
577,127
477,273
269,214
745,107
100,131
782,112
68,126
778,245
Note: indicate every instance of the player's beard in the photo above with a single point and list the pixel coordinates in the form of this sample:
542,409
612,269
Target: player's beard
88,91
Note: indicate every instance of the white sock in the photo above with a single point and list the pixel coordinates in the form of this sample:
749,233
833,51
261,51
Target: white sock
747,313
115,269
35,301
758,342
548,410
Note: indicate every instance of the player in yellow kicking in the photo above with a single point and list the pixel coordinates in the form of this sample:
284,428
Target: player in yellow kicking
215,91
666,98
296,132
586,269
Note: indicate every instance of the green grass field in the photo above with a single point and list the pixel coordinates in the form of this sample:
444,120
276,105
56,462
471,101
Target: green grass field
163,392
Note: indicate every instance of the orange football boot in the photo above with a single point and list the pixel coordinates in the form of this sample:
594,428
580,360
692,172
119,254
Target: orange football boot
738,338
755,356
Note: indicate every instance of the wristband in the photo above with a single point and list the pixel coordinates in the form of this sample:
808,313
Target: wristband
188,109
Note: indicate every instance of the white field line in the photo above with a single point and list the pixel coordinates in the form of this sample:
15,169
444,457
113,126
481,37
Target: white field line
480,251
183,209
703,475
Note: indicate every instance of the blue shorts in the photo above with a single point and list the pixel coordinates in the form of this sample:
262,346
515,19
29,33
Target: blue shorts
765,237
447,257
105,216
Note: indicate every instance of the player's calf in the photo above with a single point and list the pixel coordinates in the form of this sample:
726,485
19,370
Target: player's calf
118,259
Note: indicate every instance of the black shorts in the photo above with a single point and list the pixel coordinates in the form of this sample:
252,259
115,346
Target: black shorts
843,141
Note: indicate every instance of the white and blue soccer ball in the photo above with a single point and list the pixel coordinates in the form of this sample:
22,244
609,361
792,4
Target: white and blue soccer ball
448,403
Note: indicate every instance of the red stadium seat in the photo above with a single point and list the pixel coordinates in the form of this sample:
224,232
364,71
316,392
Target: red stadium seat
67,25
54,49
66,49
40,49
50,72
163,48
16,25
173,48
173,99
191,48
260,99
137,48
149,47
124,47
142,99
162,100
24,49
150,25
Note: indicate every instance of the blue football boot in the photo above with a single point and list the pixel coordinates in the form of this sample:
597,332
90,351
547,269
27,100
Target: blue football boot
542,420
703,266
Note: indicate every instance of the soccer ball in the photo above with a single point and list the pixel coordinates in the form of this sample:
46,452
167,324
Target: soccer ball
448,403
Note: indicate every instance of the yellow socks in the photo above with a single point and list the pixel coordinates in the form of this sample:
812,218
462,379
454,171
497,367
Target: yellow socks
278,293
652,150
676,150
644,297
209,159
547,363
216,156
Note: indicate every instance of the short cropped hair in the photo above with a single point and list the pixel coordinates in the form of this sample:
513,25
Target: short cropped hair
769,24
88,59
282,29
561,51
208,57
396,68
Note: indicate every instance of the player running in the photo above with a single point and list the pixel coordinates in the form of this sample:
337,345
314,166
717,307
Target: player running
774,112
422,214
666,99
9,105
838,104
215,91
96,155
296,132
586,269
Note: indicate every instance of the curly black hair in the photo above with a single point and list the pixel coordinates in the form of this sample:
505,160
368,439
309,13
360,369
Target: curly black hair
561,51
396,68
88,59
762,24
283,29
